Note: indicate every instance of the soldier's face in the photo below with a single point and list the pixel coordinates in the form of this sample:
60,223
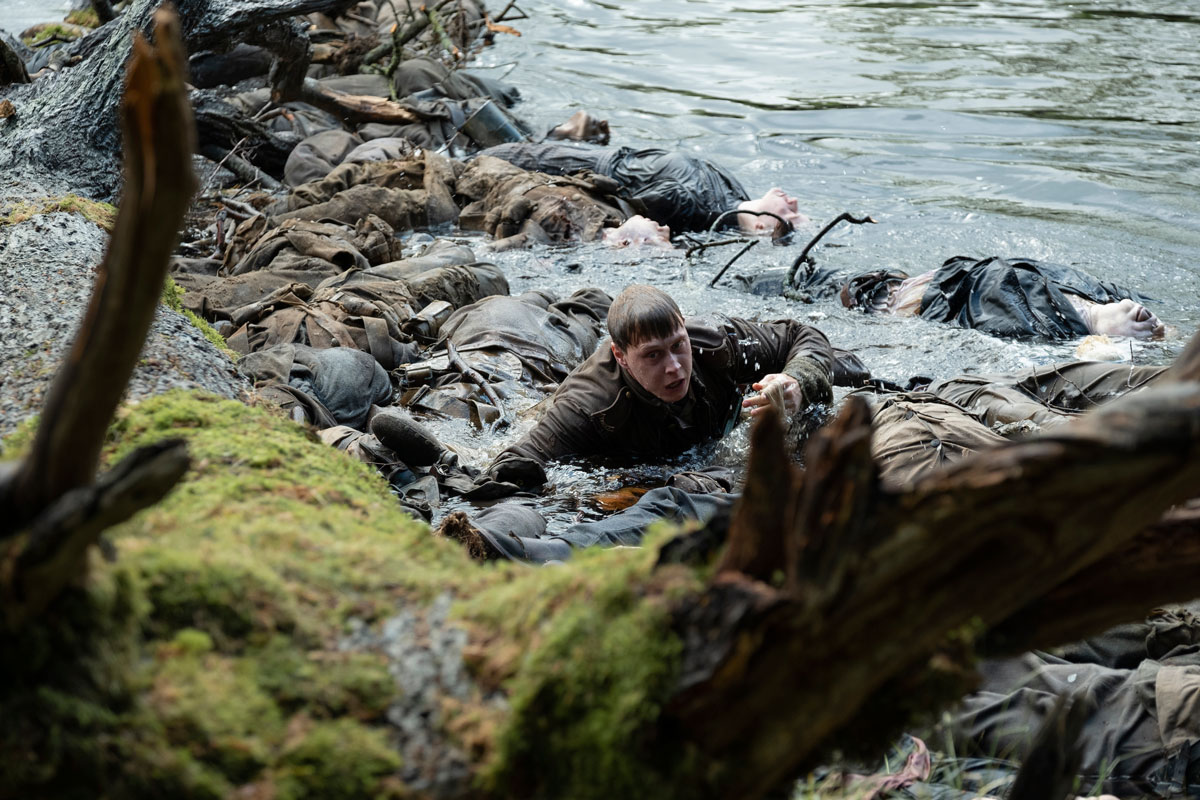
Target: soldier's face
663,366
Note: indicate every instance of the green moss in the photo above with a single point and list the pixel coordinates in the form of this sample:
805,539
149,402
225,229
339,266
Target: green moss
189,666
212,706
16,444
43,33
102,214
226,598
325,684
172,298
190,640
262,490
590,659
73,723
85,17
336,760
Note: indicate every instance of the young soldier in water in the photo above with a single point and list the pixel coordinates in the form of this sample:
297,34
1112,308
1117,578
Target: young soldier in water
666,383
663,385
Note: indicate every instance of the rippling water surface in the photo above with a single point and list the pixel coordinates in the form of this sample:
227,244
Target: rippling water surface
1055,130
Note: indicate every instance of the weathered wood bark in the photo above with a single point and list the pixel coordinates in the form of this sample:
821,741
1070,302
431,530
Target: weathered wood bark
1158,565
45,495
875,580
222,127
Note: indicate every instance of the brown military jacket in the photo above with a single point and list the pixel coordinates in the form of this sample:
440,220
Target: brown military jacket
600,410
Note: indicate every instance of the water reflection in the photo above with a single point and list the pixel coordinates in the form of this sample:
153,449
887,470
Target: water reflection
1070,127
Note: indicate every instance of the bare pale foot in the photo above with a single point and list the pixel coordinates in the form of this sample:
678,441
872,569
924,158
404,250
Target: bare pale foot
638,231
1126,318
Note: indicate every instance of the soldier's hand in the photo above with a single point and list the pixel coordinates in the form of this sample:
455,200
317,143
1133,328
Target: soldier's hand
779,389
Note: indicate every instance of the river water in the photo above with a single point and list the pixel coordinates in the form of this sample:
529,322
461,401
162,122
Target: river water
1062,131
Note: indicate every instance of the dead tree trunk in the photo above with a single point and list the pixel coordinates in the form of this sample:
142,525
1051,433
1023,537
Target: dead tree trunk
50,512
875,580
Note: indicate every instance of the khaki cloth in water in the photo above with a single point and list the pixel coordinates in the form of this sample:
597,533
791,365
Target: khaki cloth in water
360,309
918,432
508,201
1045,395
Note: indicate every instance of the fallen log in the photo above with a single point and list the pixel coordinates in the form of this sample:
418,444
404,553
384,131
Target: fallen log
1155,567
873,581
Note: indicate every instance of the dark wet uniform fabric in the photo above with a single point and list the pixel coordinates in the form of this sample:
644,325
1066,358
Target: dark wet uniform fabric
517,532
549,336
674,189
1143,735
1015,298
342,383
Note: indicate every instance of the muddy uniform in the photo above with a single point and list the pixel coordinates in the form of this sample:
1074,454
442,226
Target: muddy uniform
916,432
1142,683
531,341
674,189
600,410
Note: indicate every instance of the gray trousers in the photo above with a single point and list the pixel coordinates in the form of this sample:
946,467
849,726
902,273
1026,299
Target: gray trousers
519,532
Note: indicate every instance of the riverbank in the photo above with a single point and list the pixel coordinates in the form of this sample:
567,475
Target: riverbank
278,629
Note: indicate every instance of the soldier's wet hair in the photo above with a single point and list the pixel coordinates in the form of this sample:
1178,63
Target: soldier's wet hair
640,313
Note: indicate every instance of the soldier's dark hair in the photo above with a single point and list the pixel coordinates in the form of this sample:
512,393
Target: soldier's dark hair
641,313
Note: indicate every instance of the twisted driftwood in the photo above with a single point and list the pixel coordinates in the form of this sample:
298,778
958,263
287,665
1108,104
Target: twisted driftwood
50,509
64,136
832,587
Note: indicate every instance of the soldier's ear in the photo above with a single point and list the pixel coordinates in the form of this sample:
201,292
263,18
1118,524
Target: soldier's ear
620,356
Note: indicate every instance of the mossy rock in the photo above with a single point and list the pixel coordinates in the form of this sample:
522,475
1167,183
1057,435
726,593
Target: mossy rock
206,657
587,657
172,298
102,214
84,17
212,706
224,596
325,684
338,760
